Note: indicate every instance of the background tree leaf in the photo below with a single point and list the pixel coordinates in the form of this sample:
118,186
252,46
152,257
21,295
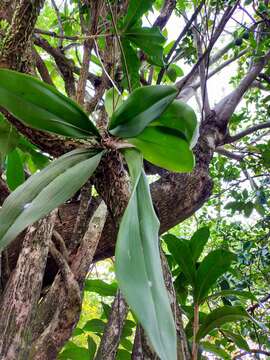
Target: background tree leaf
219,317
100,287
198,241
15,170
237,339
133,66
215,264
150,40
180,250
138,265
9,137
136,9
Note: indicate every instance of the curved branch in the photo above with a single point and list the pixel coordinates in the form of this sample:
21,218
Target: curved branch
230,139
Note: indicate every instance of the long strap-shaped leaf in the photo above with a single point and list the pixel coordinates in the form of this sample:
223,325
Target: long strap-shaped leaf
138,265
42,107
45,191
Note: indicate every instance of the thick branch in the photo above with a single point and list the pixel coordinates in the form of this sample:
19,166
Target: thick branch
226,107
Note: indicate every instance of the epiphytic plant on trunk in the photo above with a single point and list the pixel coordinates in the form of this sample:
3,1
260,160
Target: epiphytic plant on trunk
150,124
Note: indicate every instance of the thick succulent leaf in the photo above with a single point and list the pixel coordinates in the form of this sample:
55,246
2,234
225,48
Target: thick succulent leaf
237,339
45,191
9,137
15,171
150,40
198,241
215,264
179,248
219,317
136,9
181,117
142,107
138,265
161,147
133,66
42,107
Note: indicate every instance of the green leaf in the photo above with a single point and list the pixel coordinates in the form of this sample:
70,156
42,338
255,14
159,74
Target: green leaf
15,170
112,101
215,349
219,317
41,106
142,107
198,241
123,355
9,137
136,9
237,339
100,287
181,117
74,352
179,248
229,292
215,264
173,72
161,147
150,40
92,347
95,326
127,344
138,265
133,66
45,191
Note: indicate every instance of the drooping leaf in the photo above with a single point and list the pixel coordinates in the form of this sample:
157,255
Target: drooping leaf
179,248
42,107
44,191
237,339
219,317
15,170
100,287
161,147
133,66
112,101
198,241
150,40
142,107
181,117
230,292
9,137
136,9
216,350
92,347
138,265
215,264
